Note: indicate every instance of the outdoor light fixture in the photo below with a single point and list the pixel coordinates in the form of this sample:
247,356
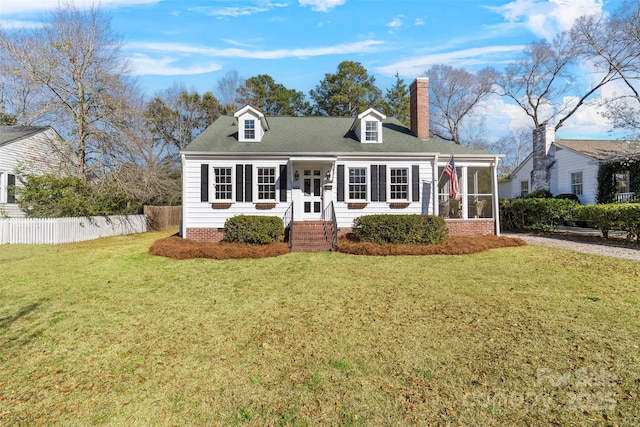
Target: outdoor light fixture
296,175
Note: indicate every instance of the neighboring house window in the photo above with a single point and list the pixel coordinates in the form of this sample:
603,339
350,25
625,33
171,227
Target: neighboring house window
399,183
371,131
266,183
524,188
576,183
249,129
357,183
622,182
223,184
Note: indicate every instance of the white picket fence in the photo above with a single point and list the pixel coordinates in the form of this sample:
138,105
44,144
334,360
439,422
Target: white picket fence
67,230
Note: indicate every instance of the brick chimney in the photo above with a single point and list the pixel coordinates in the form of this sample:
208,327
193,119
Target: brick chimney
543,157
419,107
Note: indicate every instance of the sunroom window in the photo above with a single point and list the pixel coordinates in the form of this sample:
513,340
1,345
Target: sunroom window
479,195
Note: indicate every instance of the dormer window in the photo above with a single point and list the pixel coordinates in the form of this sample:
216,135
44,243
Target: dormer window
368,126
249,129
371,131
252,124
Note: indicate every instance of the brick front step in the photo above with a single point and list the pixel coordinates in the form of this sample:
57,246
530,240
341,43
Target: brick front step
311,236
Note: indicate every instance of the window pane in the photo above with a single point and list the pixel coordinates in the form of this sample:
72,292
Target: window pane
358,183
249,129
371,131
223,185
266,183
576,183
399,183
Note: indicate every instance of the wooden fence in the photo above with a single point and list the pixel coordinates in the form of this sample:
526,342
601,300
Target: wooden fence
68,230
162,217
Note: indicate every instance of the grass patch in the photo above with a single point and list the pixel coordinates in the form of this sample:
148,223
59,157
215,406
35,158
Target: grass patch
102,332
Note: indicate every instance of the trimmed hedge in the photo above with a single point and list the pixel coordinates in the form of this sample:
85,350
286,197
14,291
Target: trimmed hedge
401,229
608,217
253,229
535,214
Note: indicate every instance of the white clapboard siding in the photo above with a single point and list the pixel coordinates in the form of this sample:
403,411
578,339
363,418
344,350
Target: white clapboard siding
32,231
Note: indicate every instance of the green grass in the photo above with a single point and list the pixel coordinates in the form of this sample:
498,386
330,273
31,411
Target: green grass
103,333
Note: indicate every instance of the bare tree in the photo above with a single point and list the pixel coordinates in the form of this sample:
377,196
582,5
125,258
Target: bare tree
516,147
541,82
455,96
614,44
75,65
227,91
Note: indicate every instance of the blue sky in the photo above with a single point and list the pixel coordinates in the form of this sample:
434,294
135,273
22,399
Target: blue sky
197,42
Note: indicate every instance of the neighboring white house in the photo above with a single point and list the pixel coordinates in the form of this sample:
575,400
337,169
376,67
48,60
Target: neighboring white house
568,166
24,150
331,170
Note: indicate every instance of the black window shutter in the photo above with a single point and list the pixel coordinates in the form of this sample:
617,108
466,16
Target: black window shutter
248,183
375,195
204,183
382,183
283,183
239,182
415,183
341,183
11,191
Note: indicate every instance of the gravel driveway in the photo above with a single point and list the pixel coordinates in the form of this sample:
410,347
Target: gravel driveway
605,249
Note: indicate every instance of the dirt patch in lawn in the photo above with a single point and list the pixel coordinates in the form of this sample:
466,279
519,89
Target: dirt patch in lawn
178,248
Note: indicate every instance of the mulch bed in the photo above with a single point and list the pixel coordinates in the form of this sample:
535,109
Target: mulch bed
178,248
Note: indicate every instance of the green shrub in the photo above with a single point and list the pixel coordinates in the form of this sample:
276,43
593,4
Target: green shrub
253,229
612,216
540,194
403,229
568,196
535,214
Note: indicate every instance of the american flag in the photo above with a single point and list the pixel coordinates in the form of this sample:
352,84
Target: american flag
454,190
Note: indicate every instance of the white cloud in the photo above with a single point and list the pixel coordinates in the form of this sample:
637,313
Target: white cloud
461,58
12,7
418,22
396,22
16,24
145,65
236,11
177,48
321,5
545,18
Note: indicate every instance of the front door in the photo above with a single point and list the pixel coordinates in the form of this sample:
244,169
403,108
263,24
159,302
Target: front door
312,193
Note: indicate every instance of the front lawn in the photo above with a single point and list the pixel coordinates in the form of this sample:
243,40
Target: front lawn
103,333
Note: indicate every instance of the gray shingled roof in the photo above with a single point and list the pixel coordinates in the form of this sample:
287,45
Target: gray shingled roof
13,133
317,135
601,149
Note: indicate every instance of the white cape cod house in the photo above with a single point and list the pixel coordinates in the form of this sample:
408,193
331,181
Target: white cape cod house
320,173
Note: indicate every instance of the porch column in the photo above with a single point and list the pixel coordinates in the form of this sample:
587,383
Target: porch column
494,192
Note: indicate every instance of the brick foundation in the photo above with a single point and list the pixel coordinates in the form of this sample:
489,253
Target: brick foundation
205,234
471,227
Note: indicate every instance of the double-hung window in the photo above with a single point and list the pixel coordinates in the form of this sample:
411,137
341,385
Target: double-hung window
249,129
266,183
371,131
524,188
576,183
399,184
223,184
357,183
